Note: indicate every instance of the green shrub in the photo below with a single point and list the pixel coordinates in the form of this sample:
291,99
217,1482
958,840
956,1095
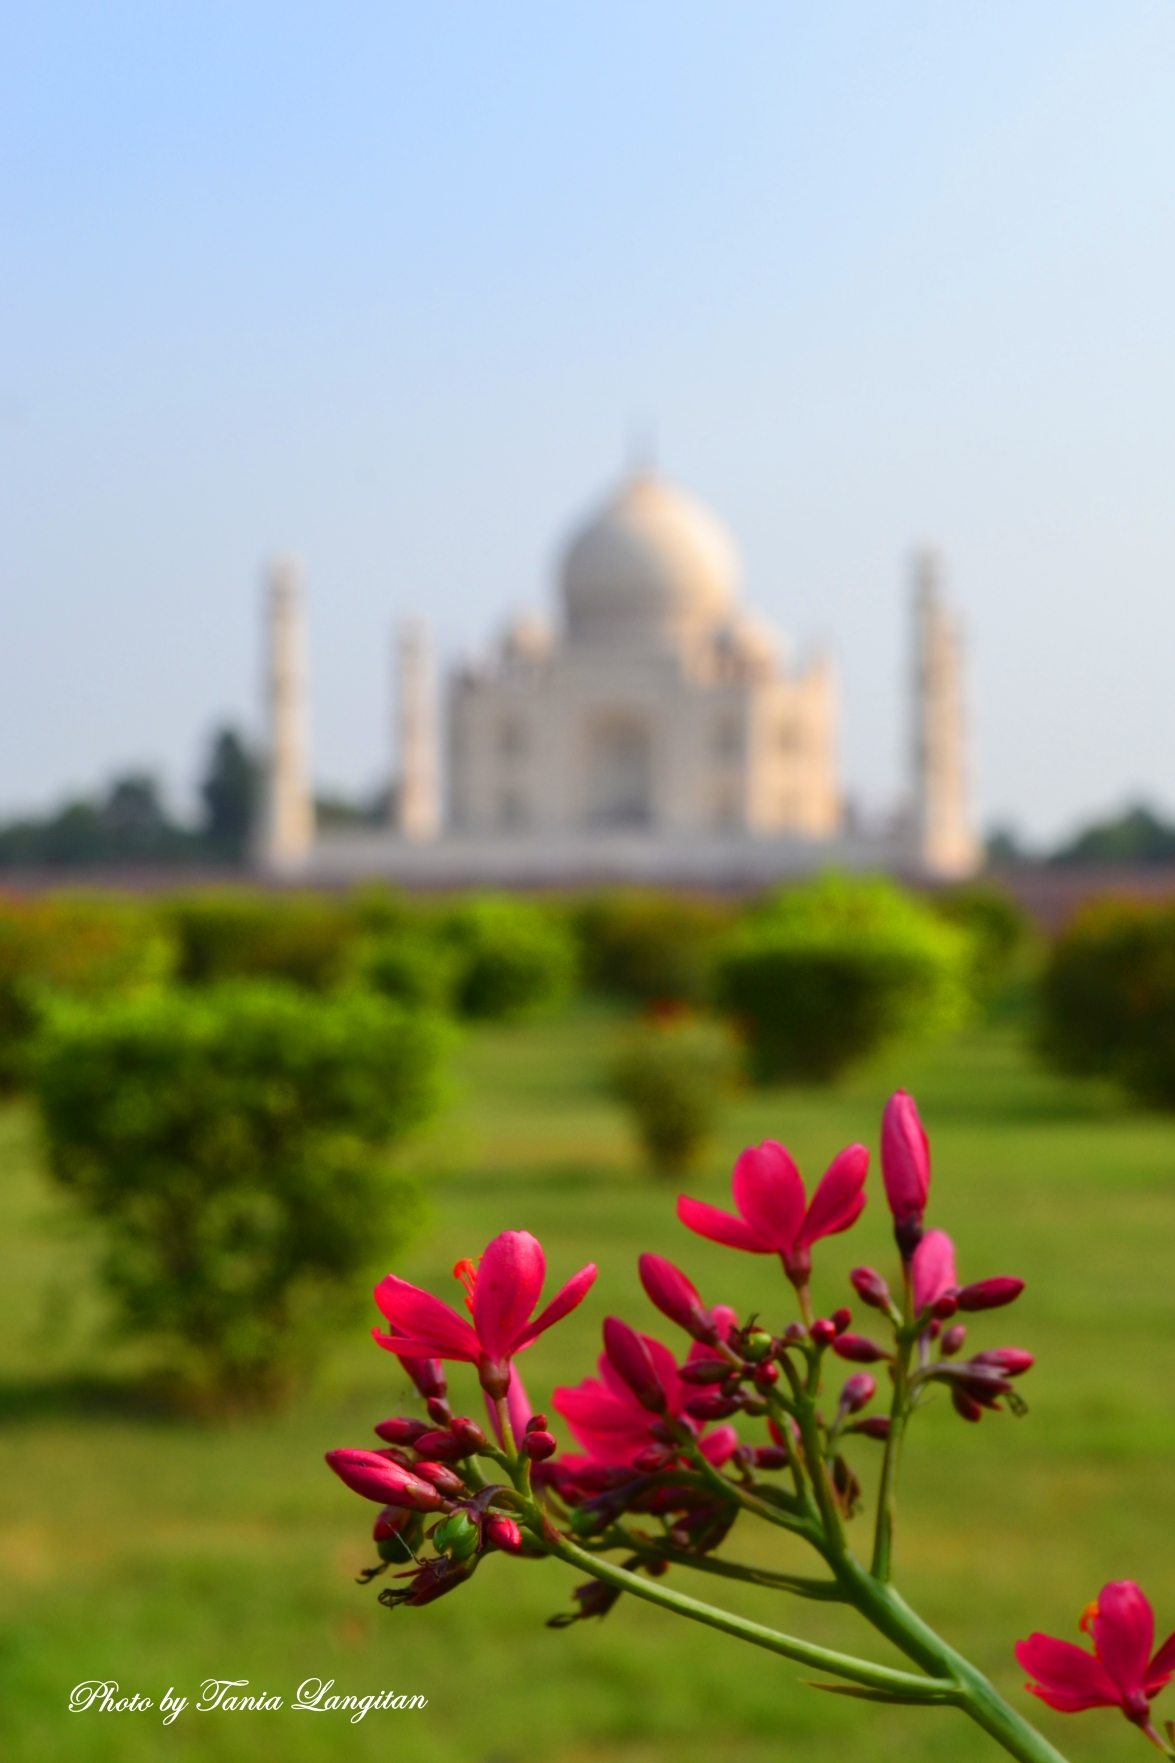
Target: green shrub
226,933
1000,931
233,1144
73,945
671,1078
1107,998
512,956
648,947
823,974
409,965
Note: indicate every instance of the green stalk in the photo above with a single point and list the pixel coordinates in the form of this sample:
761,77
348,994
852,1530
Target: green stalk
902,1684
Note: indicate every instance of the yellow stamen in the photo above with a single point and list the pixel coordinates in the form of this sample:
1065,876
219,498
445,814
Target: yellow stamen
466,1272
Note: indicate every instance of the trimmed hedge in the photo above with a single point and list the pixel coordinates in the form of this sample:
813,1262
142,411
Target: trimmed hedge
72,945
671,1078
649,947
512,956
1107,998
231,933
823,974
232,1143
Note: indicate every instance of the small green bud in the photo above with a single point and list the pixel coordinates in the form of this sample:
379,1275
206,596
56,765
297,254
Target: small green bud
757,1346
457,1536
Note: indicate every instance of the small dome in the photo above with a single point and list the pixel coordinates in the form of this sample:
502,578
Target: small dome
653,566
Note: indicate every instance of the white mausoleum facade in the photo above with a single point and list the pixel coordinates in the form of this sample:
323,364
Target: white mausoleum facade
658,703
654,730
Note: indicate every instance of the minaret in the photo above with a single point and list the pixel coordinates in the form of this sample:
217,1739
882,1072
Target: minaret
418,797
288,828
946,841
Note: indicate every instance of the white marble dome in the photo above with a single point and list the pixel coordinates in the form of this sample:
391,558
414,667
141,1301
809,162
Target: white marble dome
653,566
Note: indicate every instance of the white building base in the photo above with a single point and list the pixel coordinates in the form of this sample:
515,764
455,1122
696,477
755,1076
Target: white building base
732,862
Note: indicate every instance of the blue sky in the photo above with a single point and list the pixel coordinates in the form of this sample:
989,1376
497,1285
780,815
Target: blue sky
391,287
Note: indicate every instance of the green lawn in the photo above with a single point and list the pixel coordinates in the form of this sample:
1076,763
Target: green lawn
159,1552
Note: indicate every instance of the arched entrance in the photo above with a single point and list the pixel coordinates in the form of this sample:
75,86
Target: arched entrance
620,771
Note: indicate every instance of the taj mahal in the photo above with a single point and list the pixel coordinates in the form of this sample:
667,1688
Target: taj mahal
652,731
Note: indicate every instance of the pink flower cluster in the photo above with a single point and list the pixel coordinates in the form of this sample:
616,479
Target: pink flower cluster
656,1432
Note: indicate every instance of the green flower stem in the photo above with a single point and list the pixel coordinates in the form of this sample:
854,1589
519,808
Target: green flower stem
862,1671
887,1492
653,1549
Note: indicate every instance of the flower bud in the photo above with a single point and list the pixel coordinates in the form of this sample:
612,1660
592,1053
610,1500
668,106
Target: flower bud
467,1433
537,1423
401,1430
676,1297
952,1340
440,1446
876,1427
857,1392
441,1476
990,1294
371,1475
390,1521
870,1288
458,1536
397,1534
769,1457
428,1376
858,1349
905,1169
758,1345
439,1411
944,1307
538,1445
823,1331
964,1405
633,1363
794,1333
394,1454
841,1319
704,1371
504,1534
766,1375
1012,1361
710,1405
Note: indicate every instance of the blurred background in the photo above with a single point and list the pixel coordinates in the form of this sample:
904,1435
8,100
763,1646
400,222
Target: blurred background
580,589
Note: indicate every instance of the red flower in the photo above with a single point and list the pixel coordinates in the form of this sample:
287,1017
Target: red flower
503,1290
775,1218
612,1424
1119,1673
905,1169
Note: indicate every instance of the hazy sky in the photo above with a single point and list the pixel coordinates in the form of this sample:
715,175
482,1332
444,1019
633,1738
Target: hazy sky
391,285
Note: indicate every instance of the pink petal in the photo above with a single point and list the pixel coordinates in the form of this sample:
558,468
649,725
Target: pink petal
609,1430
769,1192
838,1201
720,1445
1159,1671
1124,1633
666,1366
433,1330
1063,1669
561,1305
933,1269
509,1284
719,1226
393,1343
633,1363
905,1159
